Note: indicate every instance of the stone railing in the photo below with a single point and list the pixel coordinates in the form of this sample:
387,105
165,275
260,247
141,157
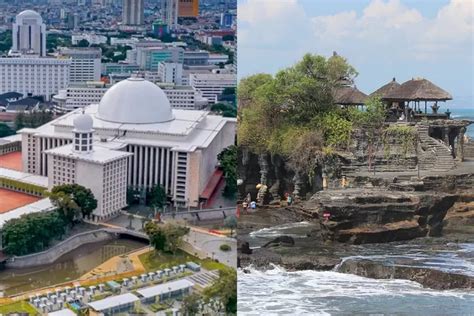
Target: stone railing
52,254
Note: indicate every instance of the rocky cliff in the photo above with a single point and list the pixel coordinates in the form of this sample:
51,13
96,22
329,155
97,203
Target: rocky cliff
378,215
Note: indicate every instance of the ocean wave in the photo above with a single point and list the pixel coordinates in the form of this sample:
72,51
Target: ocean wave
279,230
279,292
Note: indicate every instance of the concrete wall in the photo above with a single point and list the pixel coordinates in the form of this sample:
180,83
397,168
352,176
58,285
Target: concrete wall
224,139
10,147
91,175
54,253
469,149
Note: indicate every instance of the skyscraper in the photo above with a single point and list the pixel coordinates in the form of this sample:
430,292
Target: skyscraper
132,12
29,34
170,11
188,8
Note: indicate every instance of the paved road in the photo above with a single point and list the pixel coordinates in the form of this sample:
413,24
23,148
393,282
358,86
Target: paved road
210,244
198,238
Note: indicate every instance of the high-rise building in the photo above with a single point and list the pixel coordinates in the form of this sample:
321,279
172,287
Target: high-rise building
85,63
132,12
170,72
29,34
188,8
34,76
211,85
170,13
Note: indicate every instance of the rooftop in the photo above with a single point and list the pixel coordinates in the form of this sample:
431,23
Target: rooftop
189,130
418,89
113,301
24,177
165,288
99,155
12,200
35,207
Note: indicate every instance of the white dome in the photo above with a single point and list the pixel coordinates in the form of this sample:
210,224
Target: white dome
29,14
83,123
135,101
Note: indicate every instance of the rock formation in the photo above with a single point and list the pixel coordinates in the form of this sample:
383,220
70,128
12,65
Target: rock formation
378,215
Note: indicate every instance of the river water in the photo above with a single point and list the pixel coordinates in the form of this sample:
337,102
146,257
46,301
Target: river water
278,292
69,267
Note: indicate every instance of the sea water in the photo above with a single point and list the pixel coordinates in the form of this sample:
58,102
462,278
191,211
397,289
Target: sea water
465,113
278,292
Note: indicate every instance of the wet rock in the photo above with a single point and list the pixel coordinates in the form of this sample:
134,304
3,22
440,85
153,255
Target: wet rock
286,241
377,215
244,247
427,277
320,263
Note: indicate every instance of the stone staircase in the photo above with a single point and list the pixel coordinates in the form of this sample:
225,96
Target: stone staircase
435,156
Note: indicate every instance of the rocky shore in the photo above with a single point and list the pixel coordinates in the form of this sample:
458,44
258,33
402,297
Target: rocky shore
404,224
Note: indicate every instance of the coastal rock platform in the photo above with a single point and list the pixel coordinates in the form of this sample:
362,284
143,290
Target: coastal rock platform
377,215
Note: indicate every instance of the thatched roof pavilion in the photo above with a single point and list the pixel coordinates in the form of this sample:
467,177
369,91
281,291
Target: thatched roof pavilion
418,89
347,95
386,89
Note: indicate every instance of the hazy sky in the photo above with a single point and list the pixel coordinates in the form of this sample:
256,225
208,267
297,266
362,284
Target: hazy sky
382,39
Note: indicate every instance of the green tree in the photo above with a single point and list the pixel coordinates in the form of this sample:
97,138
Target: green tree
372,121
228,91
293,114
166,237
5,130
33,119
226,110
31,232
190,304
174,236
156,235
225,288
65,206
5,41
20,121
157,197
228,162
131,196
231,223
84,201
83,43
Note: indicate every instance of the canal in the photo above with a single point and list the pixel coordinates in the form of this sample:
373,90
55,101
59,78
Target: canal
69,267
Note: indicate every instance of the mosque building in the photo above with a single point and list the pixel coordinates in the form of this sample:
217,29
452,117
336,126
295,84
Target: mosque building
132,138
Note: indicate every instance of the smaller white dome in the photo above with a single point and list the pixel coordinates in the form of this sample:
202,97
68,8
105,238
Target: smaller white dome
83,123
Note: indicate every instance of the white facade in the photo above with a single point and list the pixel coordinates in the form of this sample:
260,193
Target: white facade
85,64
29,34
176,149
81,95
132,12
184,97
91,38
212,85
34,76
75,163
169,72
